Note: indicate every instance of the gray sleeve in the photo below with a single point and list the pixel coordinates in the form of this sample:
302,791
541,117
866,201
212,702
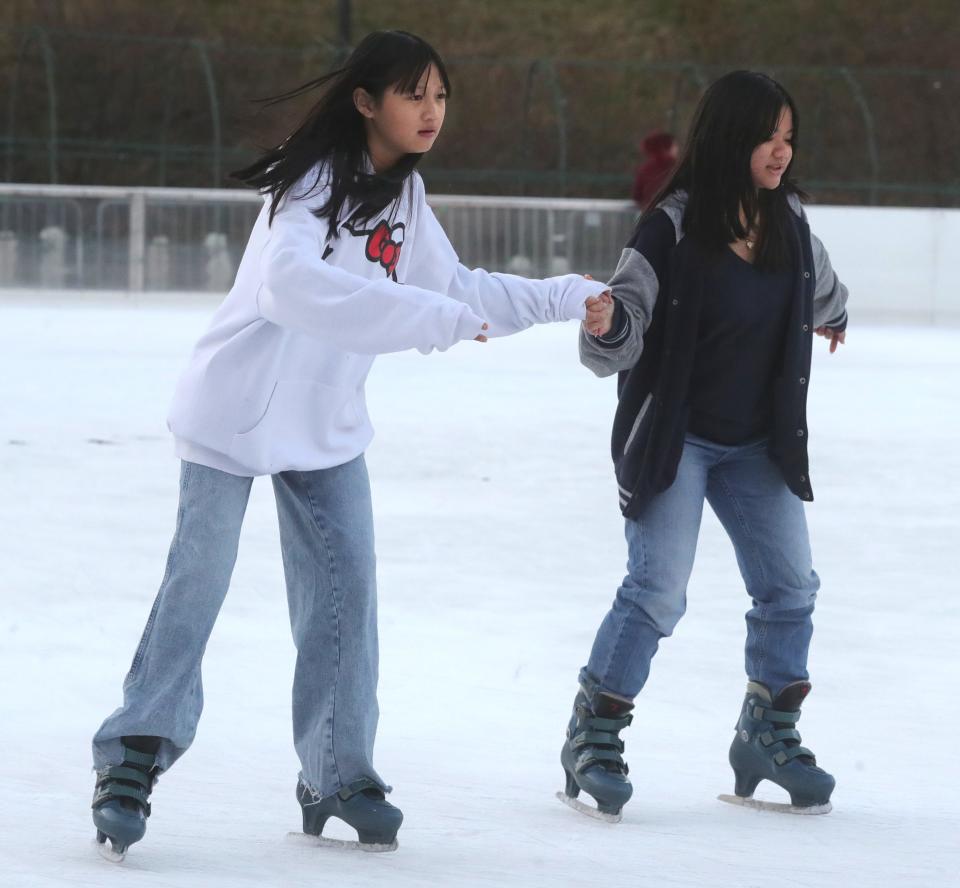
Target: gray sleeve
635,286
829,295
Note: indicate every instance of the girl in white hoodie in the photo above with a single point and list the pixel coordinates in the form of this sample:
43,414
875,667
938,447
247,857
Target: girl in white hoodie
346,261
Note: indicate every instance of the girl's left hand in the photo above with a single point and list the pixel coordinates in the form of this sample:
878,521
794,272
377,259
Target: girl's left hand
836,337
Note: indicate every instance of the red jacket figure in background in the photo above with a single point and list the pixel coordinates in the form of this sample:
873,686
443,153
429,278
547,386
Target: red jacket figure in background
661,151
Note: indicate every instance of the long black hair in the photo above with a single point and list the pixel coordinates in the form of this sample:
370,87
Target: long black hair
736,114
333,133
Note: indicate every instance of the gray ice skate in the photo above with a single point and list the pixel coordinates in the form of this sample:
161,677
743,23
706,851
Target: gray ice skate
120,802
361,805
592,755
767,747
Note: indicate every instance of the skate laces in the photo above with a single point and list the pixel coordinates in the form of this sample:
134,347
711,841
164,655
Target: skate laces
313,793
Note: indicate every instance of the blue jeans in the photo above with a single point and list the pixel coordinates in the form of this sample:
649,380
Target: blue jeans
768,529
326,537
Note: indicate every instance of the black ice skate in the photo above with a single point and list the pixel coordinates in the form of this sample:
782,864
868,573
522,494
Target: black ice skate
120,800
361,805
767,747
592,756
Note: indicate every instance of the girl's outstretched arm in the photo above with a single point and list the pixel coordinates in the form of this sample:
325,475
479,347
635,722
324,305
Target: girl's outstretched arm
303,292
508,302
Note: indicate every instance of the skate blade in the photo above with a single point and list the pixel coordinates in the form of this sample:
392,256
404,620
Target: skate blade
595,813
342,844
105,850
779,807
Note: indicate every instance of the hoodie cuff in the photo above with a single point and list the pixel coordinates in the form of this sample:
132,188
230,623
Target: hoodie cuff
579,290
468,326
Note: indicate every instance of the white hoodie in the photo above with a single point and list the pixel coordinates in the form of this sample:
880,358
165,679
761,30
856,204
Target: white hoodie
277,381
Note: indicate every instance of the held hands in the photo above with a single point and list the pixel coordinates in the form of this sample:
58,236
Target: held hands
599,312
836,337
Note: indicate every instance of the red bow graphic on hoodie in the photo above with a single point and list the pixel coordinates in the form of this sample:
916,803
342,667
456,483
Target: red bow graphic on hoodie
382,248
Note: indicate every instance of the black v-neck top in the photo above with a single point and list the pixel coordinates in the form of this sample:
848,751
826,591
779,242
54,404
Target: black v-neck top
740,340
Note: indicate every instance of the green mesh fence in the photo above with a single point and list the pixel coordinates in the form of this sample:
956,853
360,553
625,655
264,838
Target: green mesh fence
94,108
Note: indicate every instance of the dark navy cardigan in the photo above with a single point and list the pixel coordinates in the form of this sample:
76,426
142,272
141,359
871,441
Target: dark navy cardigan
658,288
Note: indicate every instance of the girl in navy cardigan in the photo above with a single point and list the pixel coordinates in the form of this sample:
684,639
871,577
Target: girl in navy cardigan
715,302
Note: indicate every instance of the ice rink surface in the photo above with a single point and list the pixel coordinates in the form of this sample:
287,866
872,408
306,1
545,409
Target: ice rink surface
500,548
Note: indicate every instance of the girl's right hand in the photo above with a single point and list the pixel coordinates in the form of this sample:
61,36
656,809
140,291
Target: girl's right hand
481,337
599,314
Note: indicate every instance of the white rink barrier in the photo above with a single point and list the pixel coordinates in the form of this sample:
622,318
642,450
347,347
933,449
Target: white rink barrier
79,242
900,264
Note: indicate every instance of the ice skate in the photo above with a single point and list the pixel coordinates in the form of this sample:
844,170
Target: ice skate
361,805
767,747
120,802
592,755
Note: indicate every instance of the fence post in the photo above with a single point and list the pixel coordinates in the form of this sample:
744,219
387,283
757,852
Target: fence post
138,232
46,50
873,155
8,257
53,252
201,49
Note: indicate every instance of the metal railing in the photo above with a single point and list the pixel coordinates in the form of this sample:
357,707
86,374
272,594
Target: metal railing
179,239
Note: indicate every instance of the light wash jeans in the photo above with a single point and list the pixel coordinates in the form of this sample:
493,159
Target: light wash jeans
767,526
326,536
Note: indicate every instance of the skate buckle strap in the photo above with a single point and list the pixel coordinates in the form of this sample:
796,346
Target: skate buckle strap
109,791
134,775
135,757
359,785
595,723
786,755
761,713
594,756
596,738
768,738
132,779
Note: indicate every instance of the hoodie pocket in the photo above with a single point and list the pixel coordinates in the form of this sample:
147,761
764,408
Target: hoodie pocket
303,423
263,412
